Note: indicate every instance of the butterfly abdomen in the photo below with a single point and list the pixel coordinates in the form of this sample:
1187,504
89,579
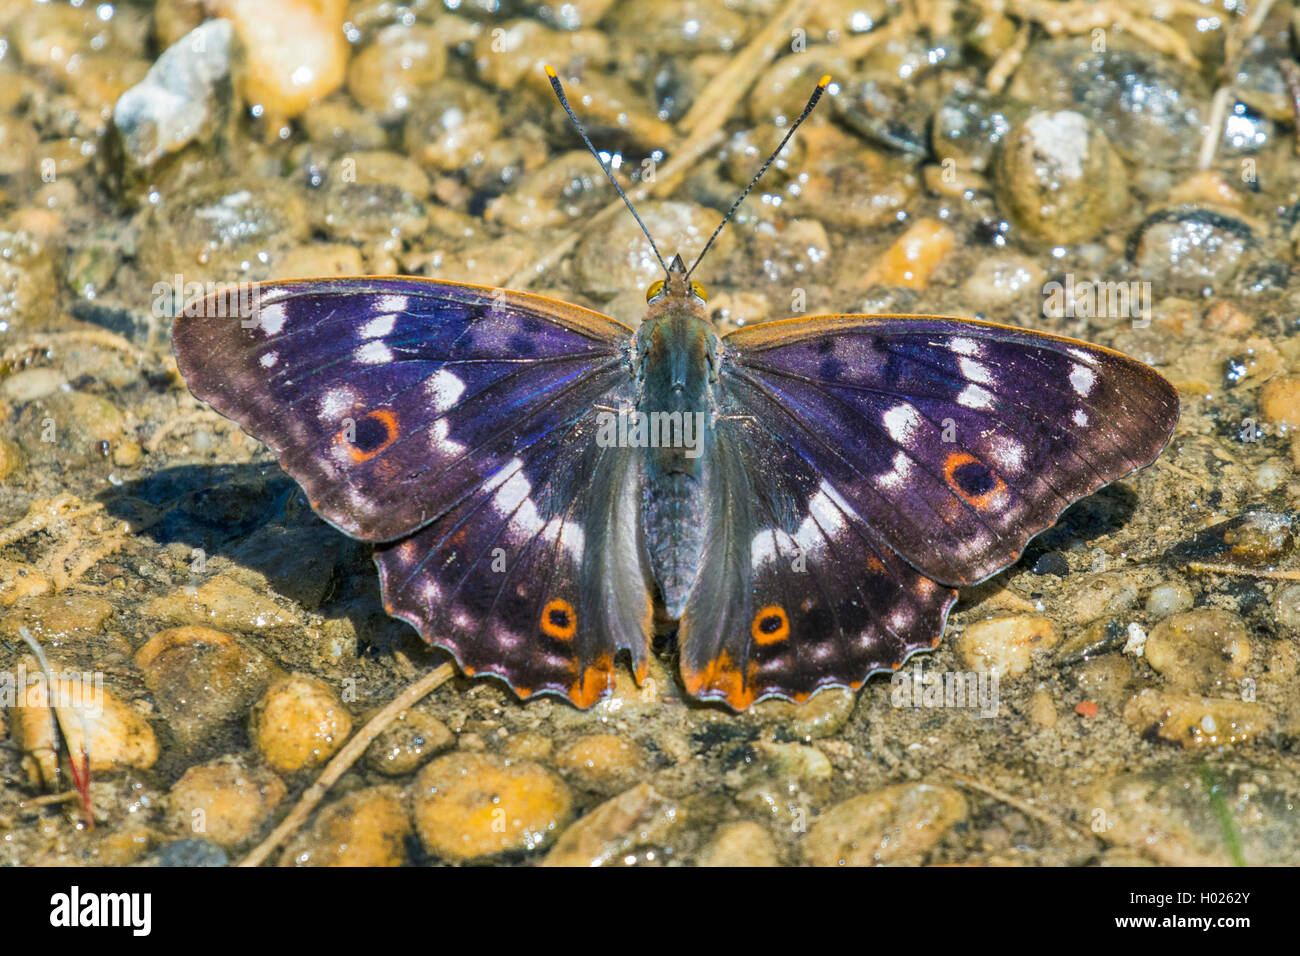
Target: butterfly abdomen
674,400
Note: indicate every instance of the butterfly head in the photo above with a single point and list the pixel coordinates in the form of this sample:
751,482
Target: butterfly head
676,287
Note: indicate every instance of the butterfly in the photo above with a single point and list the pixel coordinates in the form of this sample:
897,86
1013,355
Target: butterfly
547,487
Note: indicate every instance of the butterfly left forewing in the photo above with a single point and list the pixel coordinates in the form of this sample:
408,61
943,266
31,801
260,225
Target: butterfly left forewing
391,399
955,441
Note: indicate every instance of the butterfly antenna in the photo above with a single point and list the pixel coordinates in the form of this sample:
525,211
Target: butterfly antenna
564,101
817,95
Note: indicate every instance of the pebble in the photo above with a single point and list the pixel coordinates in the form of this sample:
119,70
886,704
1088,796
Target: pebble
93,720
203,681
1058,178
1107,679
395,69
21,580
1204,651
1042,710
474,806
528,746
740,844
823,715
224,801
361,211
223,603
897,825
1188,250
1100,637
414,737
295,51
222,230
615,254
343,127
184,98
681,27
299,723
1196,722
56,620
18,145
551,195
602,762
516,51
1279,401
637,818
30,384
1286,606
1148,105
366,828
793,761
1253,538
1101,595
914,256
1005,645
999,280
451,125
321,259
27,273
848,186
12,458
70,428
1169,598
969,126
1168,814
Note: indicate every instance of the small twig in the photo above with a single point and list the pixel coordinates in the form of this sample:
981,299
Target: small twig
1291,76
1008,60
1269,574
1234,48
345,758
1026,808
703,125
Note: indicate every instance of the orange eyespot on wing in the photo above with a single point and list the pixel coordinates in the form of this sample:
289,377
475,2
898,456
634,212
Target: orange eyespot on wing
559,620
370,435
770,625
974,482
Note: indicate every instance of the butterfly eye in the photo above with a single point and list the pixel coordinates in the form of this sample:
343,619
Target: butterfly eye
655,288
699,292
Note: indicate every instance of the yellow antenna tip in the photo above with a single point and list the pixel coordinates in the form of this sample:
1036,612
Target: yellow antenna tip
550,71
824,82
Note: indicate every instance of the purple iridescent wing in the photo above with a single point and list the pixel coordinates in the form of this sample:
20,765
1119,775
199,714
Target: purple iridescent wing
956,441
454,424
390,399
797,592
867,465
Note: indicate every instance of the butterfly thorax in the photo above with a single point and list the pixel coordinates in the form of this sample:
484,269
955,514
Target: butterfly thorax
676,363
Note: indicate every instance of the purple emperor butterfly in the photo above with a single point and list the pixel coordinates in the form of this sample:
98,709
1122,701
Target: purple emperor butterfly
801,498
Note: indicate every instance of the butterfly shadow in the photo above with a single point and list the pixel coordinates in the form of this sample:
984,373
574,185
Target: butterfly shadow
256,518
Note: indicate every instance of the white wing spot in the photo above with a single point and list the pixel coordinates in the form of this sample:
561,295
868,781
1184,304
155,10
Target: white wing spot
268,360
379,326
975,372
901,422
444,389
391,303
1080,417
964,346
973,396
271,319
897,477
1009,453
373,353
1083,379
336,403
